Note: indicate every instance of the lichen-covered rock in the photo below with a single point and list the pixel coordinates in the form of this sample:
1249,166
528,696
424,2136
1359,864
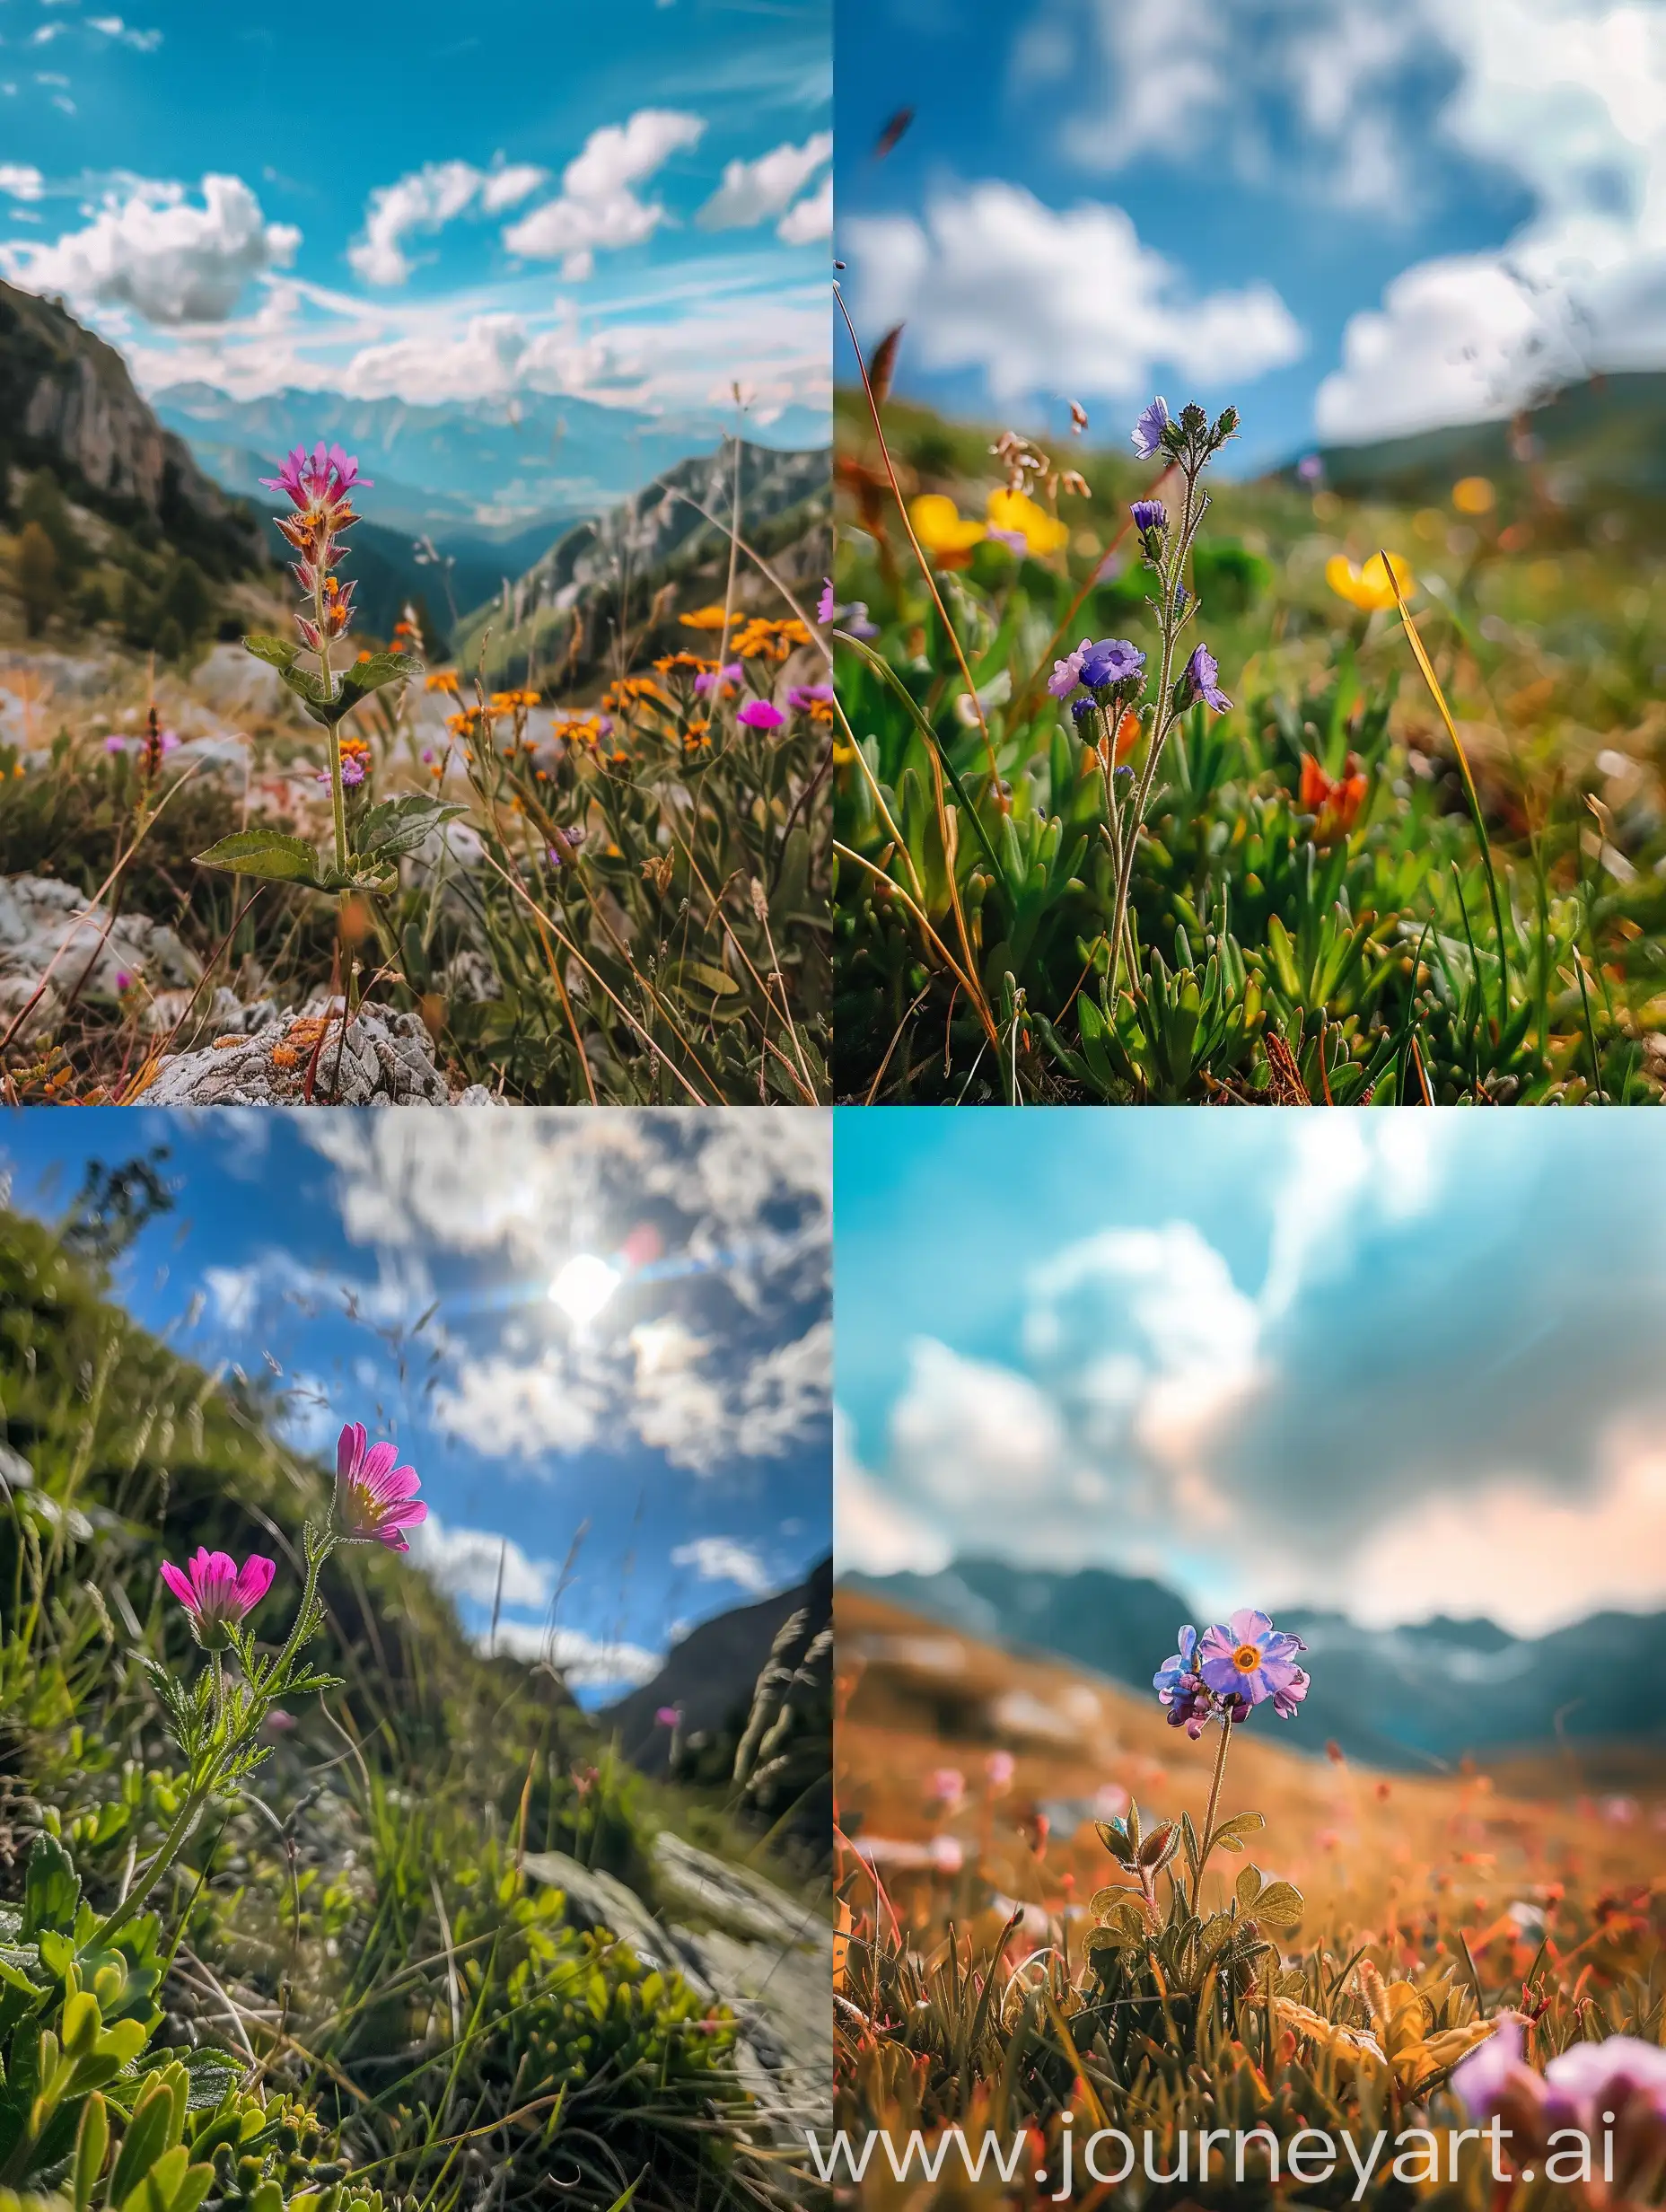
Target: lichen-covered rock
50,936
380,1058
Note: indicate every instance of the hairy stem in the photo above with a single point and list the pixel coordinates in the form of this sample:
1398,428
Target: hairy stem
1205,1842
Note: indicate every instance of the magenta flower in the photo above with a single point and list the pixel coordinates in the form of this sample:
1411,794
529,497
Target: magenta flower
321,479
1149,429
709,679
824,605
124,981
803,696
668,1716
1247,1659
214,1593
376,1500
761,715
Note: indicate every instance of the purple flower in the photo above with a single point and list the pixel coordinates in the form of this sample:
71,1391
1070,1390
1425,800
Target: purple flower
1149,429
1149,515
761,715
1180,1688
668,1716
375,1501
1066,673
1310,468
709,679
115,744
1111,662
1015,539
1482,2082
216,1594
856,619
1080,709
124,981
1247,1659
322,478
804,695
1200,680
1588,2079
824,605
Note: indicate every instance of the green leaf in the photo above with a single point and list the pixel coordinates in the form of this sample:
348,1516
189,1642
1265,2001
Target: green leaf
1247,1888
91,2142
1281,1905
51,1888
709,978
393,828
1229,1835
276,651
363,677
265,853
211,2075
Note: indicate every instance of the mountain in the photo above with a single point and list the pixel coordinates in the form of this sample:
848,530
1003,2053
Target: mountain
68,405
712,1673
655,553
481,463
1411,1698
1603,438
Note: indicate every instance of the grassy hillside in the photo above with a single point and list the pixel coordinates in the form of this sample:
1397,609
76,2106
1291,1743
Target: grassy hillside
403,2008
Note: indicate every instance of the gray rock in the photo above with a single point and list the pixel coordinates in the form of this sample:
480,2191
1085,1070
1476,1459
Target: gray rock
733,1898
50,935
383,1059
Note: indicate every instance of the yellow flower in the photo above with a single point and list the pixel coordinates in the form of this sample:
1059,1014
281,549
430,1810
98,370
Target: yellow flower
704,619
442,680
941,527
1473,495
1041,532
1369,588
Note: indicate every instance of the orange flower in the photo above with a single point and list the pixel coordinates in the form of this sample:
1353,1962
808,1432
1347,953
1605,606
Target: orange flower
1372,586
442,680
1336,801
683,663
707,619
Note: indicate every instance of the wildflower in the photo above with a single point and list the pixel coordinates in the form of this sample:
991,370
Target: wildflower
857,622
804,698
761,715
944,531
278,1723
1000,1766
668,1716
1149,515
945,1786
216,1594
707,619
1200,680
824,605
683,663
1336,801
321,479
1015,514
1181,1689
1080,709
1310,468
376,1500
1068,673
115,744
1149,429
1371,587
442,680
1248,1658
1111,663
716,679
124,981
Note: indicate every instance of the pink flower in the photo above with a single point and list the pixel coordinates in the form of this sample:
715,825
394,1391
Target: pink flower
709,679
216,1594
1000,1766
375,1501
113,743
668,1717
322,478
761,715
947,1855
124,981
946,1788
824,605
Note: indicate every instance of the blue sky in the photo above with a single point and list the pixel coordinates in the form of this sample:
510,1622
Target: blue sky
627,202
1352,221
1398,1365
685,1420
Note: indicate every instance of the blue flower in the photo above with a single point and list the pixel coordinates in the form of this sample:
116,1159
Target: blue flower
1246,1657
1080,709
1112,661
1149,514
1200,680
1182,1690
1149,429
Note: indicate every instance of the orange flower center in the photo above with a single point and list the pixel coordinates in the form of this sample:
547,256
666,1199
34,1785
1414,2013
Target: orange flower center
1247,1658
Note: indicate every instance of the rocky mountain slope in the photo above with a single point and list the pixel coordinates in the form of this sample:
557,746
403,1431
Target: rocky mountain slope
664,549
1411,1697
68,404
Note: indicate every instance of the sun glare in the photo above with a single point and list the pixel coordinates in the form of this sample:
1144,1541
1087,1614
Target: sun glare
583,1286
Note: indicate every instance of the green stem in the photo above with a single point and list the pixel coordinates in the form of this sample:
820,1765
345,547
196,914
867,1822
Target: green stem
1205,1842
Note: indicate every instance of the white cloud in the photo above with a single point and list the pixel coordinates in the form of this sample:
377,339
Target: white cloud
20,182
149,248
585,1661
598,207
724,1559
753,191
112,27
466,1563
873,1532
1046,301
810,219
425,202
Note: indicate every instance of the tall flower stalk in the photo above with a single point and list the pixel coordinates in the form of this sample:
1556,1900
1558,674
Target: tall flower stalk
1112,672
218,1718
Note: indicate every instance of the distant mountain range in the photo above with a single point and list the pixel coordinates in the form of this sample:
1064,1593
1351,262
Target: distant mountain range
1603,438
1410,1697
661,551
